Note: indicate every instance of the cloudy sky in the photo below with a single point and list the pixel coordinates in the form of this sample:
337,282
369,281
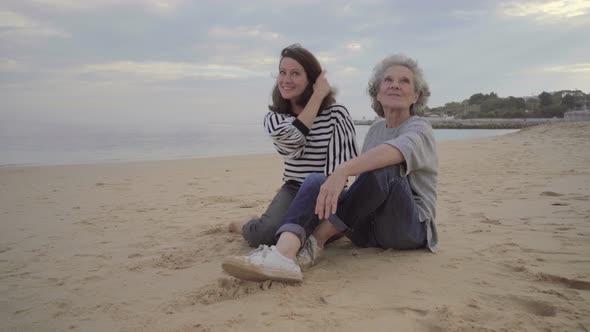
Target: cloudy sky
177,63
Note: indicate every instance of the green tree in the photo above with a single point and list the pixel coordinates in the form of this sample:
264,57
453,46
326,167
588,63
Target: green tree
532,104
491,104
552,111
515,103
569,101
477,99
545,99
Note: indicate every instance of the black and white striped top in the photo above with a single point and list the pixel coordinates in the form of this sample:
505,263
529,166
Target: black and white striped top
330,141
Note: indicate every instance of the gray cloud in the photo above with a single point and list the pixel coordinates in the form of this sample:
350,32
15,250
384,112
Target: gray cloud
173,62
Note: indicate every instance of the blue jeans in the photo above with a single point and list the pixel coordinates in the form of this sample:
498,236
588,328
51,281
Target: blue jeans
262,230
378,210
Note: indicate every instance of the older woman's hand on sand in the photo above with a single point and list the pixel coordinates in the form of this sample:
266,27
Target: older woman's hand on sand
327,200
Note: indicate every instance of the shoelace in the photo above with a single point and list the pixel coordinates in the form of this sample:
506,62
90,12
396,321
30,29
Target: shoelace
263,249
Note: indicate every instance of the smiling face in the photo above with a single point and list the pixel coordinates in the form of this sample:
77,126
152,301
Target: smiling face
292,79
396,92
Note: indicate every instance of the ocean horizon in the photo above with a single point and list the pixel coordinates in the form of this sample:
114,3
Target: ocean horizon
106,145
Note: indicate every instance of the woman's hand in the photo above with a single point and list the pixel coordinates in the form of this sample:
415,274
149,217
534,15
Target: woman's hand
327,200
322,86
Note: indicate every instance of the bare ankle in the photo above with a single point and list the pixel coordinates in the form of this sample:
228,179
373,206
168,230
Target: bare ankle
324,232
288,245
236,226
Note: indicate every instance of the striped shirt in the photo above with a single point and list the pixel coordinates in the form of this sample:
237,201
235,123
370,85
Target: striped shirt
330,141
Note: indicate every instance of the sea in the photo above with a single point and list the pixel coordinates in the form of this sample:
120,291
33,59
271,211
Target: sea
106,145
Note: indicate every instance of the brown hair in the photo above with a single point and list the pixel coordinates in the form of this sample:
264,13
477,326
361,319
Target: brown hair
312,69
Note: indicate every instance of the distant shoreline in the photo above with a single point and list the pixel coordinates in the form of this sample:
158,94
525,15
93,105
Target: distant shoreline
441,123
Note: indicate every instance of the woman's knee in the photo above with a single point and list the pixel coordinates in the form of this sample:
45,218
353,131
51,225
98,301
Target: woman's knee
314,180
311,185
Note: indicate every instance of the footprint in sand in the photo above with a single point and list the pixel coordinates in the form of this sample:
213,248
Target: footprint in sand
564,228
62,307
214,230
551,194
415,311
491,221
219,231
554,293
560,204
535,307
516,268
177,260
172,259
220,200
213,200
567,282
249,205
222,290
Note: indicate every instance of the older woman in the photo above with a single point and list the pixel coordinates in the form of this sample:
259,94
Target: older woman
392,202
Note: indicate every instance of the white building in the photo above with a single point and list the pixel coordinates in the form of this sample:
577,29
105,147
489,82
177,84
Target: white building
577,115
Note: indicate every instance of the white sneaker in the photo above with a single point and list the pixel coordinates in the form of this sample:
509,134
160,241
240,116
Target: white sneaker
310,254
264,263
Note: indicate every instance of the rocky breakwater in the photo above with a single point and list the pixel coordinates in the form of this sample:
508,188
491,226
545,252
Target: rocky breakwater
449,123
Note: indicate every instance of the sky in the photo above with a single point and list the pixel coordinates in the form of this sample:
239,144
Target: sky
171,64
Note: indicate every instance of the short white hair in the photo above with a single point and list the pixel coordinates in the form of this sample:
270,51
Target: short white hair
420,86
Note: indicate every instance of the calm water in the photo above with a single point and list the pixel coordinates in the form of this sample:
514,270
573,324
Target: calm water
100,145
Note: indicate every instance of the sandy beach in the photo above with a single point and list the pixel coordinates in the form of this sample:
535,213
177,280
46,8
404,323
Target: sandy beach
138,246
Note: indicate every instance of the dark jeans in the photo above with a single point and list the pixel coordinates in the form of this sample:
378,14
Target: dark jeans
378,210
262,230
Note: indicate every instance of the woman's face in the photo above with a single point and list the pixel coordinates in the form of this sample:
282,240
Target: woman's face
292,79
397,89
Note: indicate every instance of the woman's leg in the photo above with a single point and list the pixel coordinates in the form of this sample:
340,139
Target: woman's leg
300,219
379,210
268,263
278,262
262,230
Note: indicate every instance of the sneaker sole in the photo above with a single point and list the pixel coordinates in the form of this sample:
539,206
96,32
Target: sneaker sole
236,267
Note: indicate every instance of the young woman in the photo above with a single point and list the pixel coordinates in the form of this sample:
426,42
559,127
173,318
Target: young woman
310,131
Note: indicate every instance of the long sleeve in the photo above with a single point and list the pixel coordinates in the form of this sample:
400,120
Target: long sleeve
287,137
342,146
319,149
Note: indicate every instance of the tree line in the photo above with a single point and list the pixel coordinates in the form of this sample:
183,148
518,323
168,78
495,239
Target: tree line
545,105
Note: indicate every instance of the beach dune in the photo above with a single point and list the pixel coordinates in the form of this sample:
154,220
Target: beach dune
139,245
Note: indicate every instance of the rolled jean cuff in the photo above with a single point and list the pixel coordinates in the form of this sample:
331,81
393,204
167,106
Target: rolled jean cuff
292,228
337,223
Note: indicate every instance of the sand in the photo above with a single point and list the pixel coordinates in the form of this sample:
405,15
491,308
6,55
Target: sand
139,246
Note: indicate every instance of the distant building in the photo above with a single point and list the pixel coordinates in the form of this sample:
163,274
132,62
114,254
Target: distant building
577,116
575,93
